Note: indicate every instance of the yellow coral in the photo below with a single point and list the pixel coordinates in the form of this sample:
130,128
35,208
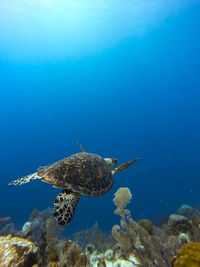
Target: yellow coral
188,255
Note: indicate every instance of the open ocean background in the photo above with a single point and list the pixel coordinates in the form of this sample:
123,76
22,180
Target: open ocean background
120,77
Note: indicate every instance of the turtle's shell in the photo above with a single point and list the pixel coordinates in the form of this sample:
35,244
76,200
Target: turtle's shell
83,172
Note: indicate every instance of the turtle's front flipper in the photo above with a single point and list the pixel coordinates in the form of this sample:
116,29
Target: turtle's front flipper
64,206
123,166
25,179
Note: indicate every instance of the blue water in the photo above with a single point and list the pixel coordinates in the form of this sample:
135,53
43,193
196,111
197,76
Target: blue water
127,91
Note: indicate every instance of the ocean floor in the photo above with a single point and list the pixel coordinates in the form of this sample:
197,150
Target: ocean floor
170,241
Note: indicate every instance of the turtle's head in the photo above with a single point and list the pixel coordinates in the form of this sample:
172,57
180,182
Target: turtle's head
111,162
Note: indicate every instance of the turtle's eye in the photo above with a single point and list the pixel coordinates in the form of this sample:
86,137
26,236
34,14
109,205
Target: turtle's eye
114,162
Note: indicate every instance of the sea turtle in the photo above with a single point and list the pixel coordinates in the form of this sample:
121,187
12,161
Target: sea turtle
80,173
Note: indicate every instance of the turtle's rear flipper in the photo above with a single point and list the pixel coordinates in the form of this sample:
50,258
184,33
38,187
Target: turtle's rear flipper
25,179
123,166
64,206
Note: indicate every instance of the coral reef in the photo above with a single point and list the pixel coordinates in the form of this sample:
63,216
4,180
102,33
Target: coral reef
179,224
188,256
95,237
43,230
16,251
171,242
158,246
35,228
72,255
53,241
147,225
134,238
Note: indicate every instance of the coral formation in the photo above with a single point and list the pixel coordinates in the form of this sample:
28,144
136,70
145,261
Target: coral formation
188,256
94,239
35,228
43,230
122,197
179,224
72,255
133,238
16,251
147,225
53,233
186,210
